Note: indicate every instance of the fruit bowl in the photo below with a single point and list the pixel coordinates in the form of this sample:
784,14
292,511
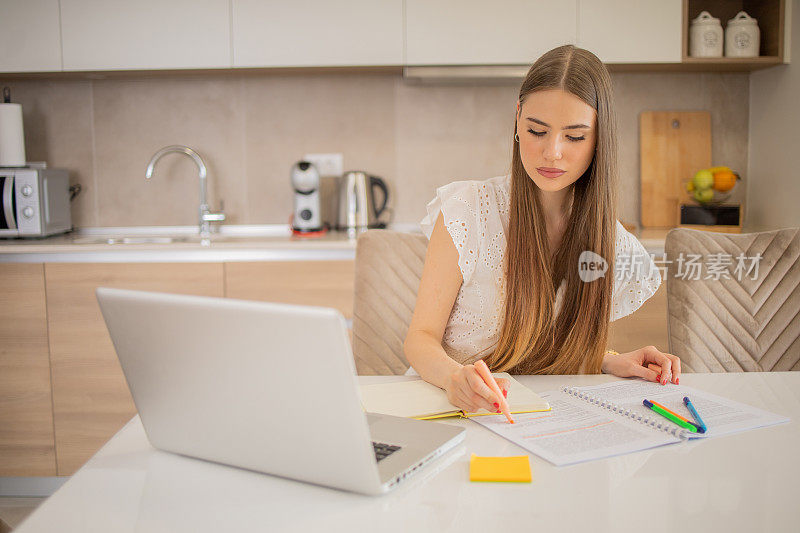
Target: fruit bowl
717,197
712,186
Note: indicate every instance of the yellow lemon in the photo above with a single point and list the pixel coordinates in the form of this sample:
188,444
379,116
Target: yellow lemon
703,179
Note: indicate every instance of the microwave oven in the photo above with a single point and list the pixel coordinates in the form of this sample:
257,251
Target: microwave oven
35,202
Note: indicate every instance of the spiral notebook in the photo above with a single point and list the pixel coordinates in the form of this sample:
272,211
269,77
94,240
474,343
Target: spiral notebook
588,423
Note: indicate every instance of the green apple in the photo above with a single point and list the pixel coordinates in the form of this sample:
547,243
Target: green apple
703,179
703,195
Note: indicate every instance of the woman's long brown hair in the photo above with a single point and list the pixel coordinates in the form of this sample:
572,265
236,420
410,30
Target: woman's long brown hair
533,339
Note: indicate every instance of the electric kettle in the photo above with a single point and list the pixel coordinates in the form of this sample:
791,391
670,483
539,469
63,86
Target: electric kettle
357,206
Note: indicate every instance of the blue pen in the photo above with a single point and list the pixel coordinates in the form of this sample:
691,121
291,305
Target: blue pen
700,424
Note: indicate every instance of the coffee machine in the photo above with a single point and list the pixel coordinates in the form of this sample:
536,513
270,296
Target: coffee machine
305,182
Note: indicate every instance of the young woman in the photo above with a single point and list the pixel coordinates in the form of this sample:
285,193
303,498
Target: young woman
501,280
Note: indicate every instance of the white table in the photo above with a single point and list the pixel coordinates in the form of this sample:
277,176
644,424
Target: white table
745,482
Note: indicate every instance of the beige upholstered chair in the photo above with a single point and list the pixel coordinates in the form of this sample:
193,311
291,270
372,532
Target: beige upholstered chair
388,269
733,324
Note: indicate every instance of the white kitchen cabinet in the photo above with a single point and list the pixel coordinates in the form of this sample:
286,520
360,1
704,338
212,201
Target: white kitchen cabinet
312,33
631,31
476,32
146,34
29,36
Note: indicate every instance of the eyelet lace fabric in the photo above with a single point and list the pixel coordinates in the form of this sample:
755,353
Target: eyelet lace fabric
476,214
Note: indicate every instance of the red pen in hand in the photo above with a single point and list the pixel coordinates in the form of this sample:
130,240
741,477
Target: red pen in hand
486,375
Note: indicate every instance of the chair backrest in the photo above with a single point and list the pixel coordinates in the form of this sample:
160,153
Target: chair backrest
735,312
388,269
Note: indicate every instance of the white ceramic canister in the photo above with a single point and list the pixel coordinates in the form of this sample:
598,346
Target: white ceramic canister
705,36
742,36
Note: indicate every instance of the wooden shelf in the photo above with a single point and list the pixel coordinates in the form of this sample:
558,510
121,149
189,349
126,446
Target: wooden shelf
770,15
701,64
732,64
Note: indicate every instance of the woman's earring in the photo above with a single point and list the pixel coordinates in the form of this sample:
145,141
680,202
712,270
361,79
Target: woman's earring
516,137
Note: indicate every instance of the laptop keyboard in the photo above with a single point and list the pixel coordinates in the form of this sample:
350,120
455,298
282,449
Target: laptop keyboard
382,451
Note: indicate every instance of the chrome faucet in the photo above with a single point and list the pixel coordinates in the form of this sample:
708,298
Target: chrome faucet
206,216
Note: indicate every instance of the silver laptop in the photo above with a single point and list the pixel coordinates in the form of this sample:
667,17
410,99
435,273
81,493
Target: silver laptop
263,386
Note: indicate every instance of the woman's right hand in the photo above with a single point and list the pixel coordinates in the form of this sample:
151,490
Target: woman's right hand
467,390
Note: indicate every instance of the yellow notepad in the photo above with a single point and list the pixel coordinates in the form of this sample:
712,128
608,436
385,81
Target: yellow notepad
514,469
421,400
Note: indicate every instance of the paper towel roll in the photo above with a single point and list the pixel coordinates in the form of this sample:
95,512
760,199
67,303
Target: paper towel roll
12,139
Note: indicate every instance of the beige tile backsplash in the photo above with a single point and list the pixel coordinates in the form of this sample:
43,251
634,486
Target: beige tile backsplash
250,129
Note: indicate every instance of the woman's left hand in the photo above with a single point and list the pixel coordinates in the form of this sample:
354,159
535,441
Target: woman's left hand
636,363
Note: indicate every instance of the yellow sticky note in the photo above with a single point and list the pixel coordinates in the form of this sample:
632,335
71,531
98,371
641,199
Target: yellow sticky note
517,468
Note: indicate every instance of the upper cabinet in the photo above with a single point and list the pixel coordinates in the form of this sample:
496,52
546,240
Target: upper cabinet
631,31
29,36
105,35
146,34
476,32
305,33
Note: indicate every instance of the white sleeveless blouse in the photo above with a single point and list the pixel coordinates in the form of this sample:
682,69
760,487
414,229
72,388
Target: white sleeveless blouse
476,215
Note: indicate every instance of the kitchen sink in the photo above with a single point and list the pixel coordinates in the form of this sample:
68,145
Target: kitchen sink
128,240
158,235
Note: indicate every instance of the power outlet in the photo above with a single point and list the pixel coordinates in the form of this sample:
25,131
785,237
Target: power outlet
328,165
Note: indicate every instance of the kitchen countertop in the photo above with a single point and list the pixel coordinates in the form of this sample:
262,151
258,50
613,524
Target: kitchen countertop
652,239
178,244
183,244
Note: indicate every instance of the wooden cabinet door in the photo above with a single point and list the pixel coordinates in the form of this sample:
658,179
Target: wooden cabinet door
26,415
323,283
631,31
91,400
475,32
645,326
146,34
29,36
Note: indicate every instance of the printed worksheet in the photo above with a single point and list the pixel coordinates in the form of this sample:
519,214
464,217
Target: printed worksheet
722,416
594,422
574,431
